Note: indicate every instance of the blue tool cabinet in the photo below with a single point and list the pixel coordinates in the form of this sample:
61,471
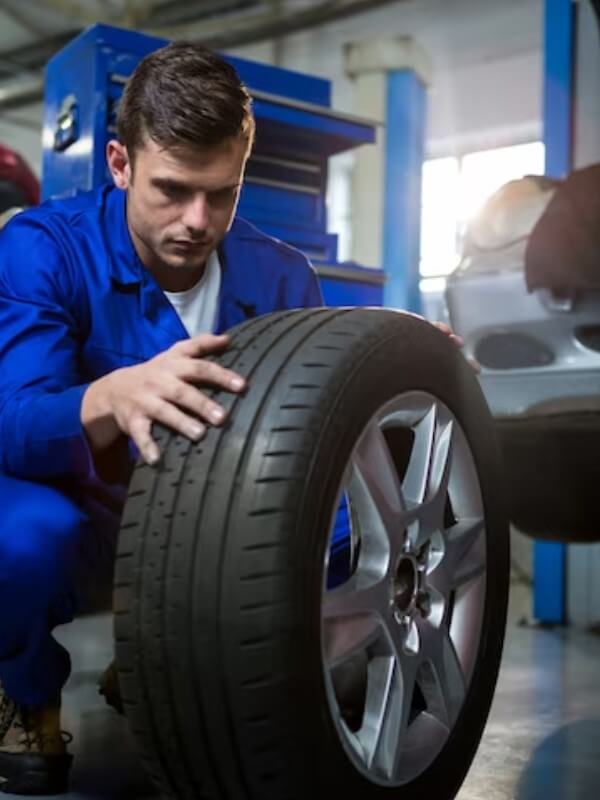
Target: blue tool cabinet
284,192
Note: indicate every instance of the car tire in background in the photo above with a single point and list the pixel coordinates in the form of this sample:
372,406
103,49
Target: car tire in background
552,472
248,670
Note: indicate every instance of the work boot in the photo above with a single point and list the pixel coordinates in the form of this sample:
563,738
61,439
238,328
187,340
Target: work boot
108,687
33,749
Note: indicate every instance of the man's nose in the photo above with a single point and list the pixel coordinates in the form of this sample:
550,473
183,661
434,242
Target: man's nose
195,215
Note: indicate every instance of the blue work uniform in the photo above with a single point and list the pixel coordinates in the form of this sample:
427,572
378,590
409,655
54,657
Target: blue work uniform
76,303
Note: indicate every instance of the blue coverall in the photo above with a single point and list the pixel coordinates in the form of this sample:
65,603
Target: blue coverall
76,303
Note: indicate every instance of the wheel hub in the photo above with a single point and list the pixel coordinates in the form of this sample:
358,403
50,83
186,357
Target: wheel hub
405,586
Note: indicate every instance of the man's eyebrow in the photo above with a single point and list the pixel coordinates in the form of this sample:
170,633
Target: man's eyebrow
170,183
173,183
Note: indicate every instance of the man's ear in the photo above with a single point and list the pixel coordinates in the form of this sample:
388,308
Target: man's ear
119,164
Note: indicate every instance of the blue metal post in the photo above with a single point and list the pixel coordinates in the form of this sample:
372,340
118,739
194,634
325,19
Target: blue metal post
559,72
404,153
549,574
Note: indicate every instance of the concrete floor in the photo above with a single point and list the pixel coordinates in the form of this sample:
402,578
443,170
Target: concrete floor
542,741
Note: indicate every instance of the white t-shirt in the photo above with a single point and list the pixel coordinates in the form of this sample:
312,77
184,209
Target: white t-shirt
197,307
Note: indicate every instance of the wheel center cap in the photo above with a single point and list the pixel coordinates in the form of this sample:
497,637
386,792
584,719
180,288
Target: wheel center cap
405,584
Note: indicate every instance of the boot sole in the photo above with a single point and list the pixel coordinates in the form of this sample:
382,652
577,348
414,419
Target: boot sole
32,774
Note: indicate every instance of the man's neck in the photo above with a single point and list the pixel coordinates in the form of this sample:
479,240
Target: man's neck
176,280
170,279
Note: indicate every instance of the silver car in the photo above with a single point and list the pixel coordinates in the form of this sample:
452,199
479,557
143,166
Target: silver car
526,299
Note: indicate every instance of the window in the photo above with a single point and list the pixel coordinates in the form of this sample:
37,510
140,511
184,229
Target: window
453,189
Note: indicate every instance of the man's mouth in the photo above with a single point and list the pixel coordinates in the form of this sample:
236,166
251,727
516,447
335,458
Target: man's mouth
190,244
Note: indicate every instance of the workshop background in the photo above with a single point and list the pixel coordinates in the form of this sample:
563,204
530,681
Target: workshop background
448,100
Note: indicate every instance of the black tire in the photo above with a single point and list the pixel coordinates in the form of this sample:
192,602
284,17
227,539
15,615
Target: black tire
219,576
552,474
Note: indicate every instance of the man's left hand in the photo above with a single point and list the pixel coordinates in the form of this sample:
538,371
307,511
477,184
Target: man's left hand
457,340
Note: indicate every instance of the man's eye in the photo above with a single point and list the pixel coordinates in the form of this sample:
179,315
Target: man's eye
173,192
223,195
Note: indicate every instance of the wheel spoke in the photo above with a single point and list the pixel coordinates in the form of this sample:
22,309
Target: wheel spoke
353,615
376,494
465,554
437,450
347,637
357,596
416,480
441,462
389,700
444,685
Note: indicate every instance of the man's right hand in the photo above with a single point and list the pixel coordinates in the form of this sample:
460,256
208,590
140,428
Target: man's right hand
163,389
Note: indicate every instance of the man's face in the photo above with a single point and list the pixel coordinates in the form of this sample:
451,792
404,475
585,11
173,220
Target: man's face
180,202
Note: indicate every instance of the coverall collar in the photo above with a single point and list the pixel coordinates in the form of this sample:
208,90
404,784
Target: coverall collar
125,265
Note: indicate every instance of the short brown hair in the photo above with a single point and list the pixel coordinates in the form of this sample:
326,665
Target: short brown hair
184,95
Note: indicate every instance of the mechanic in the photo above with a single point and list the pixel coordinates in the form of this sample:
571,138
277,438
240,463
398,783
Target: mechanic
108,302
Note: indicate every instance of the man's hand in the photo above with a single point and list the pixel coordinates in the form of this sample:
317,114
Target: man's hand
163,389
445,328
457,340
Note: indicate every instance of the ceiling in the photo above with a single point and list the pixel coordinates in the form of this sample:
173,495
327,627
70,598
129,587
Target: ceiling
30,33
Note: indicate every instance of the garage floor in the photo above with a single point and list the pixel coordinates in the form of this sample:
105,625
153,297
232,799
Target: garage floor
542,741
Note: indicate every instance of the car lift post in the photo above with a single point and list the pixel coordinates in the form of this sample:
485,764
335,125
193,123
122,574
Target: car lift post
404,155
550,558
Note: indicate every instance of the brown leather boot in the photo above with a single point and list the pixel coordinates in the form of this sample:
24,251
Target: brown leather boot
33,749
108,687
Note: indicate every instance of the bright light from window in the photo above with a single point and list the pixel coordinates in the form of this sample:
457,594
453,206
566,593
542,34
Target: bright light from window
454,189
484,172
439,216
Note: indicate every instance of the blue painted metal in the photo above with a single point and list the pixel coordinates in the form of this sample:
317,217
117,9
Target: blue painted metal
348,292
340,551
269,205
559,76
286,181
549,571
550,567
310,130
318,248
83,70
404,153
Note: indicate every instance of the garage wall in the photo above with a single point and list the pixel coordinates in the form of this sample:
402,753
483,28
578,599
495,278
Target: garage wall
587,121
583,585
21,129
486,59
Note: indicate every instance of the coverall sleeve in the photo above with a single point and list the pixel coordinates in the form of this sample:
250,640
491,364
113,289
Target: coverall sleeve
41,435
